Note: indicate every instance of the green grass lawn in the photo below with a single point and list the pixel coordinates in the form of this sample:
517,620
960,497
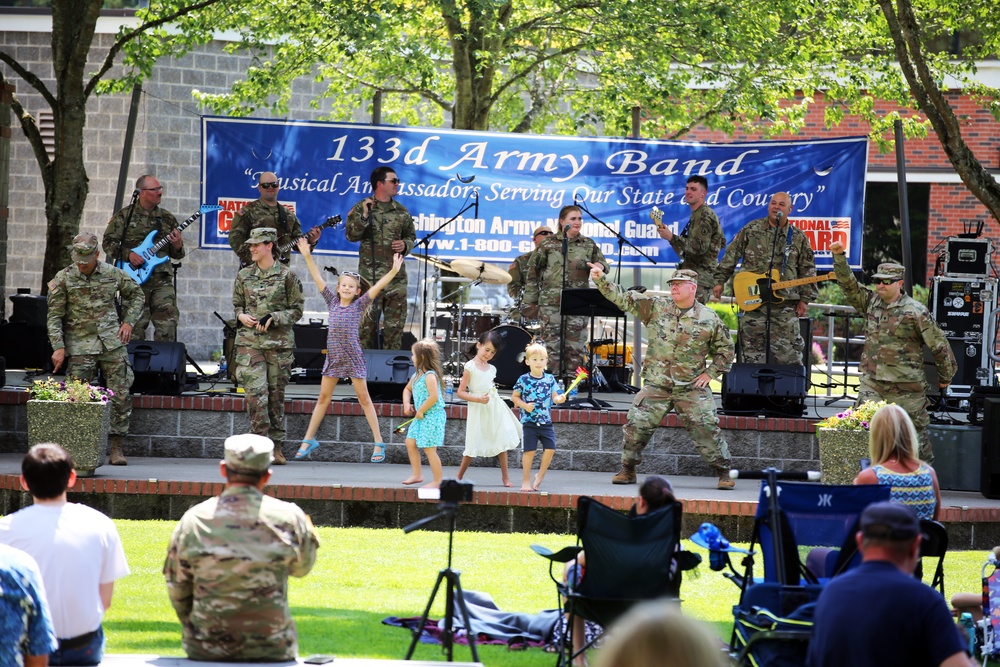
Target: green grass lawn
365,575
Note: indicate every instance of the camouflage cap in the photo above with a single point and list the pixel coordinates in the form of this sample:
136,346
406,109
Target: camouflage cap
684,275
84,248
249,453
262,235
890,271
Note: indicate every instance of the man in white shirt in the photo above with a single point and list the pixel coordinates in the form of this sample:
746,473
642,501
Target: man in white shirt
77,549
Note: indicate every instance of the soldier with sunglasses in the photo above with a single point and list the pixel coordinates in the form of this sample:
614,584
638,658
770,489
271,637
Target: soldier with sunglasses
897,327
267,212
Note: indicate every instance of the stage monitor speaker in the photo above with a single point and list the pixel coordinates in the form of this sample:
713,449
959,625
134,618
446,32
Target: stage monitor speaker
764,388
28,309
388,373
160,367
990,469
26,345
309,351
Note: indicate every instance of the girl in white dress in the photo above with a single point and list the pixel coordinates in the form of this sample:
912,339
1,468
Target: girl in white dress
491,427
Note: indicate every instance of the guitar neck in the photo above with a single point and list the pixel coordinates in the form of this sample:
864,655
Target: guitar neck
803,281
330,222
159,245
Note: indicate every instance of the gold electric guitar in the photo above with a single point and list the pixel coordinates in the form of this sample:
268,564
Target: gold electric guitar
751,290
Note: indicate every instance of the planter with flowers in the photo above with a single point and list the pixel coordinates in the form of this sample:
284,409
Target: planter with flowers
843,442
73,414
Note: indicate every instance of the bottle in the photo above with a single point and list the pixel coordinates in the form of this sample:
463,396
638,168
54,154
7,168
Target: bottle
223,366
573,393
560,387
449,390
965,620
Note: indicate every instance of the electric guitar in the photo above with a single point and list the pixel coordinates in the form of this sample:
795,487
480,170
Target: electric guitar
657,216
147,249
751,290
328,223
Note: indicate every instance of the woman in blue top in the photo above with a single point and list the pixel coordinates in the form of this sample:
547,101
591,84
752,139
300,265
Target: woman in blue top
892,446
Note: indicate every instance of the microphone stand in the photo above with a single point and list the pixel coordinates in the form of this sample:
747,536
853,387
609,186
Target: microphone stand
768,357
622,241
121,246
426,241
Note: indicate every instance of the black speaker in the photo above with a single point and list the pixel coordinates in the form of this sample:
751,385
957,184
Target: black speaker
388,373
309,351
989,482
160,367
26,345
29,309
767,388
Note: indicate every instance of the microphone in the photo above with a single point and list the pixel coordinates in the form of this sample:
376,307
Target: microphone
465,180
331,269
476,193
135,193
778,216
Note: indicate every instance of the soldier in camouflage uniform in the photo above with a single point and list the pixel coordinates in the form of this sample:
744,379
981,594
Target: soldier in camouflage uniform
689,346
147,216
699,244
519,268
83,325
267,212
229,560
382,223
757,244
543,291
268,299
896,329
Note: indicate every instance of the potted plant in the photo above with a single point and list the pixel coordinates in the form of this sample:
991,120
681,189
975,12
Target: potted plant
843,442
74,414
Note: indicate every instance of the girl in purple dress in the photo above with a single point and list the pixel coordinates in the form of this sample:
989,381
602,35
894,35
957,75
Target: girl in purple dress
344,357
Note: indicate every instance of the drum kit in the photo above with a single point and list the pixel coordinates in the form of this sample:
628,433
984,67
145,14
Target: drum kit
466,324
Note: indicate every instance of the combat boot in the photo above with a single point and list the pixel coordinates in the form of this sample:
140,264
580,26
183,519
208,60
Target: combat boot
726,483
279,456
116,456
626,475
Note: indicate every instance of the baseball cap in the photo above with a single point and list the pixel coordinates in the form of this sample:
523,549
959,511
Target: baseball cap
889,521
262,235
248,453
84,248
684,275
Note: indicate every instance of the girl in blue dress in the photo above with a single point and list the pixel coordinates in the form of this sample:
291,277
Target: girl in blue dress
426,433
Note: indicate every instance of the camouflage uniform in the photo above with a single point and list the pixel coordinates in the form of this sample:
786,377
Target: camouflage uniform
390,222
264,359
258,214
754,245
160,296
682,346
698,247
544,287
228,565
82,319
518,271
892,362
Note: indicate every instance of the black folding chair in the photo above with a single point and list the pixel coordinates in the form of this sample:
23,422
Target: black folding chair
628,559
934,545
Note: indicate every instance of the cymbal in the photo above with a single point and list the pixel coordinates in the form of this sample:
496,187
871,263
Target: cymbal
476,270
433,261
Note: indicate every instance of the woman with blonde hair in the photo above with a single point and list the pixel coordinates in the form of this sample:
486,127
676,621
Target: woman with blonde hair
892,446
657,634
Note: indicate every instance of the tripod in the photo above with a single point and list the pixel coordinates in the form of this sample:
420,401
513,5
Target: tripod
453,591
589,302
847,352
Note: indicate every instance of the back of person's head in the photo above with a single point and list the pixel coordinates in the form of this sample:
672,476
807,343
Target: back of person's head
890,526
657,492
891,435
46,469
657,634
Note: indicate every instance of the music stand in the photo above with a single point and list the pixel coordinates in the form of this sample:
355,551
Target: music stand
588,302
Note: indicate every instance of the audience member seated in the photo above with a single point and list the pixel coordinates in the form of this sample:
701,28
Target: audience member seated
892,446
229,560
77,550
878,614
657,634
26,634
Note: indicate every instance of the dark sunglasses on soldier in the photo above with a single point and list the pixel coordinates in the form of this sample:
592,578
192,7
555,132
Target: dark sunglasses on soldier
268,186
546,233
884,281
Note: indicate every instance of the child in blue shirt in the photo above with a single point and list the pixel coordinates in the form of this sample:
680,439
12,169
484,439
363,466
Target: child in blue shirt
534,393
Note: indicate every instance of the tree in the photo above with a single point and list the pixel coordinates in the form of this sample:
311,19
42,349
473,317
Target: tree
65,175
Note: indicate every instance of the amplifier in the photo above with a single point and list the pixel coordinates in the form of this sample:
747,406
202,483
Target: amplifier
967,257
961,306
764,388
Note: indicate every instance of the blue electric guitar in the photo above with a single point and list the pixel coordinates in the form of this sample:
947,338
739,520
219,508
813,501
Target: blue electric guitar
147,249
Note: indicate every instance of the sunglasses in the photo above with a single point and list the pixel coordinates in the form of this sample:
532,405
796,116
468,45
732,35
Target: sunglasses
268,186
545,233
394,181
351,274
885,281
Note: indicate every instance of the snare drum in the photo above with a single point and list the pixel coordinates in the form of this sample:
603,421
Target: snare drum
473,325
509,361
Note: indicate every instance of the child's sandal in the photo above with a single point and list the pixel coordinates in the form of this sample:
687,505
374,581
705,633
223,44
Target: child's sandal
378,457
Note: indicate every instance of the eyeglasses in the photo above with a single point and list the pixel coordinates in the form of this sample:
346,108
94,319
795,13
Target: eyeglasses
268,186
885,281
158,188
544,233
394,181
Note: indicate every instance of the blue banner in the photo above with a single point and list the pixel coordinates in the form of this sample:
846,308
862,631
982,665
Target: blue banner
521,181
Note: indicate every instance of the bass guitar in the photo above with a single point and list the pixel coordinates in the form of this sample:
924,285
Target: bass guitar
751,290
147,249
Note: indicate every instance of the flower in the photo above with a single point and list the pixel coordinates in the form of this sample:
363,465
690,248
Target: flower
853,419
70,391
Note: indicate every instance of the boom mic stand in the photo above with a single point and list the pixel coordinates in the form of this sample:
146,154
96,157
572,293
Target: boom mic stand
426,243
622,241
453,591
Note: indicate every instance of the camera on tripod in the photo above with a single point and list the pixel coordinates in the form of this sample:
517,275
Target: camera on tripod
454,491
